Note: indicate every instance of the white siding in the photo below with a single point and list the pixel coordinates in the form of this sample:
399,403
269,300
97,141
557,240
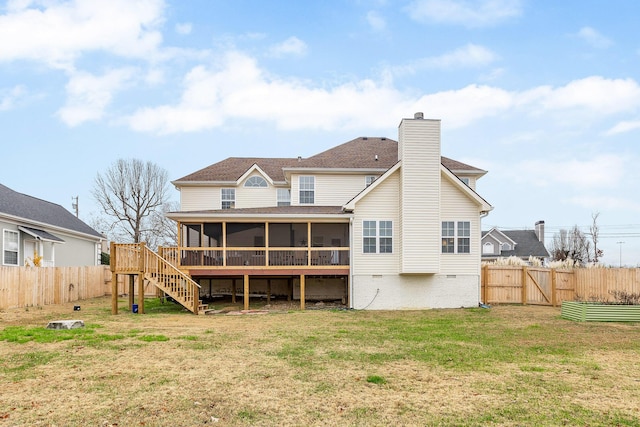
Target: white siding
199,198
380,204
456,206
330,189
420,203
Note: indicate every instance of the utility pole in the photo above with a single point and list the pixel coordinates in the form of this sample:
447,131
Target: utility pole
620,243
74,205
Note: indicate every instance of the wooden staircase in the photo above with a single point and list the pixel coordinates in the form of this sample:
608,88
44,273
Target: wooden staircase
138,258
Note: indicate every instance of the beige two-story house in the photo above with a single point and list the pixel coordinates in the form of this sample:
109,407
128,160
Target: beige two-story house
375,223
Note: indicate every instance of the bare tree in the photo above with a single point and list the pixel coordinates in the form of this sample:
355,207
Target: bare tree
570,244
595,236
131,192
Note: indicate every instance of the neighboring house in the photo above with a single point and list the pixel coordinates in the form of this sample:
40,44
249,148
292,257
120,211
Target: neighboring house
377,223
37,231
522,244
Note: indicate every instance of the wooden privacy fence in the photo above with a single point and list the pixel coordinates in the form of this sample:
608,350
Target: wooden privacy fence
39,286
548,286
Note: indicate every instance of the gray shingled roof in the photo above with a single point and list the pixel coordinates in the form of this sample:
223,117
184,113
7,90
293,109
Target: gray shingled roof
32,209
527,244
358,153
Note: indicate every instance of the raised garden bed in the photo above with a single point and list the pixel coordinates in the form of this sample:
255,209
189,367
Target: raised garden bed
599,312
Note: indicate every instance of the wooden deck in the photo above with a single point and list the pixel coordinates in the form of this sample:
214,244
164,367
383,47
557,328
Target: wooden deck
172,269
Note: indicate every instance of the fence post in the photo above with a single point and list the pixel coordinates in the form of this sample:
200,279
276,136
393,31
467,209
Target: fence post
554,297
524,285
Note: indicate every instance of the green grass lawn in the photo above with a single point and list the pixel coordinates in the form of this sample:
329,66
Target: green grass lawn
507,366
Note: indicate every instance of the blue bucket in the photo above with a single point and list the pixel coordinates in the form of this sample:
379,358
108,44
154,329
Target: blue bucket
134,308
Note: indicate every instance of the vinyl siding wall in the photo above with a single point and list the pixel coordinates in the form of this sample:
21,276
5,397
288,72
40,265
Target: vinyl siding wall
199,198
420,203
330,190
379,205
456,206
255,197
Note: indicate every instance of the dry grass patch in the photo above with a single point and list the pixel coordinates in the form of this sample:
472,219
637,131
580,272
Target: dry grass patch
508,365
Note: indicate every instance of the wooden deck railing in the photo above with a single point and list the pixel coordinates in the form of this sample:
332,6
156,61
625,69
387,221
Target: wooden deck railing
259,257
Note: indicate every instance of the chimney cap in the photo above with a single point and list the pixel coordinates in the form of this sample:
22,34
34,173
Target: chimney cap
418,115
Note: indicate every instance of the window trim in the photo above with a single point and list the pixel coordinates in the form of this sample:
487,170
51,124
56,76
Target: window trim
232,201
377,237
307,189
4,246
455,237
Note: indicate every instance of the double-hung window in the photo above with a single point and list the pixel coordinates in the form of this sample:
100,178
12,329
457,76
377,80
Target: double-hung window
307,186
456,237
284,197
228,198
10,247
377,237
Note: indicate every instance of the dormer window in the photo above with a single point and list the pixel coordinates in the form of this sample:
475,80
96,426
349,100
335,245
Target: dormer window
256,182
368,180
465,180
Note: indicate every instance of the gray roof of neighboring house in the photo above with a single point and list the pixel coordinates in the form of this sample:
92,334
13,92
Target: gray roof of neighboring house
37,210
358,153
527,244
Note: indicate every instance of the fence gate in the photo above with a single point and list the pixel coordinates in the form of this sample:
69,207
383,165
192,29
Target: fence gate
537,286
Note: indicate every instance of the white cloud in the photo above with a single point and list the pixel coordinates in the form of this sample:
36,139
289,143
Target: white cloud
623,127
469,13
470,55
240,89
376,21
597,94
88,95
9,97
291,46
184,28
603,171
594,38
56,32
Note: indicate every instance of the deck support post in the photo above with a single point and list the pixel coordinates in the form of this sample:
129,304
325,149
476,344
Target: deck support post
131,294
114,279
140,293
268,291
246,292
302,291
233,290
141,265
114,293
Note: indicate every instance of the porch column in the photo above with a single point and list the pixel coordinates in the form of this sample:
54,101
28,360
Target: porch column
246,292
302,292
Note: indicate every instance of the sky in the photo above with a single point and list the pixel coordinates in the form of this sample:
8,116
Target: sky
544,95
